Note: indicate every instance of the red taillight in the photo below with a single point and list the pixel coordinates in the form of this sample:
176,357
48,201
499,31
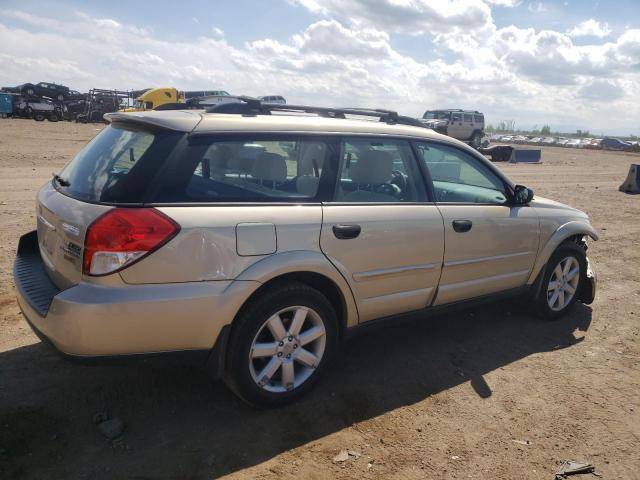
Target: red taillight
123,236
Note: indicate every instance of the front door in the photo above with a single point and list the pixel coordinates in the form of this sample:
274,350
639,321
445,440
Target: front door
379,230
491,245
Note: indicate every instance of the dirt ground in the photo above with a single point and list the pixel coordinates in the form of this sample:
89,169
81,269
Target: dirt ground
443,398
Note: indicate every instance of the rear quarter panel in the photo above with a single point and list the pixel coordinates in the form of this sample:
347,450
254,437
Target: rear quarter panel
207,246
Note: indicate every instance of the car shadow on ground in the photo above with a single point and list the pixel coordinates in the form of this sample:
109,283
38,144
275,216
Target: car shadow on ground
181,425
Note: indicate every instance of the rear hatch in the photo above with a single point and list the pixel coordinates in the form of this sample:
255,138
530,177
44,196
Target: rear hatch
115,169
62,224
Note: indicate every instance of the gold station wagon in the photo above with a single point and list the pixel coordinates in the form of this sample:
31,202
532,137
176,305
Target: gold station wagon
260,239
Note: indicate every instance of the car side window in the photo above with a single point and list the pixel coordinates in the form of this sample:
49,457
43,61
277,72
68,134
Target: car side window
456,117
458,177
468,118
250,169
374,170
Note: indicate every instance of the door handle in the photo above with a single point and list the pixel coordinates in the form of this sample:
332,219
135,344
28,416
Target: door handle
344,232
461,226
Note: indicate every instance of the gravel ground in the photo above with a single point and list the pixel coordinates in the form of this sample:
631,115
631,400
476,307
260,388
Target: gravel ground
440,398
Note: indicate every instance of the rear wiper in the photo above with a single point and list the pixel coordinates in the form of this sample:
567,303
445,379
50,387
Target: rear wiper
61,181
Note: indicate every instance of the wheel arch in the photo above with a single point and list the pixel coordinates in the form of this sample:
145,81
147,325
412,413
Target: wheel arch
569,231
310,268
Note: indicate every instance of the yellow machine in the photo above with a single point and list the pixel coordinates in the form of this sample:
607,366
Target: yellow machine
153,97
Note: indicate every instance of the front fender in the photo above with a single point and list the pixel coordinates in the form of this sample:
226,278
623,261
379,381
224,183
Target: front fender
298,261
565,231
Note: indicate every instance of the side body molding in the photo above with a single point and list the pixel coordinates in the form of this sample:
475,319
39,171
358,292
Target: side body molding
300,261
565,231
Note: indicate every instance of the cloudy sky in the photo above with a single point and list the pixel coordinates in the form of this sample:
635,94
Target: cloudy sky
572,64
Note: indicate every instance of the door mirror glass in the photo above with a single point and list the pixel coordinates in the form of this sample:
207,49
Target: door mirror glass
522,195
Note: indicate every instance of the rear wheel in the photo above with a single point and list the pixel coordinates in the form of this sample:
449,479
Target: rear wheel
38,117
562,281
280,344
476,140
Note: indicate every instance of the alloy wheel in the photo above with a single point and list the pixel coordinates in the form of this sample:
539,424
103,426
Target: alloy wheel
563,283
287,349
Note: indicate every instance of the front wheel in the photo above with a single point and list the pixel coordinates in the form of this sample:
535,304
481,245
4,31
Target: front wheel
279,345
562,281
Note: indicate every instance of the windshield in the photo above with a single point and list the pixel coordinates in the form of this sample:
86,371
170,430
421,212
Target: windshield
436,115
116,166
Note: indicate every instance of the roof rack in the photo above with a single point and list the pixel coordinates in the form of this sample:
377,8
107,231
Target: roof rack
253,106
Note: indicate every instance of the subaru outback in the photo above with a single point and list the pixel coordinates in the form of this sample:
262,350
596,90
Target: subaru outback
261,241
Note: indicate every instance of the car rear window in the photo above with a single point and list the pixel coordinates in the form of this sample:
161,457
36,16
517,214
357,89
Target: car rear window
117,165
247,169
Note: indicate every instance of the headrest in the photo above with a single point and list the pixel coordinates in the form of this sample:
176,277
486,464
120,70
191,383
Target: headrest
312,156
219,155
373,167
270,167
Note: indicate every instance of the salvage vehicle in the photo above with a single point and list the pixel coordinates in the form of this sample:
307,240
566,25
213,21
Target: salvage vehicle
261,240
42,89
39,109
465,125
615,144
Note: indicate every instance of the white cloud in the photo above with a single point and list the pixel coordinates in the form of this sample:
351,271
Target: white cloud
591,28
536,7
504,3
601,90
406,16
521,73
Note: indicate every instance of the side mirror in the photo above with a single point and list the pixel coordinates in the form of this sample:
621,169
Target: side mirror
522,195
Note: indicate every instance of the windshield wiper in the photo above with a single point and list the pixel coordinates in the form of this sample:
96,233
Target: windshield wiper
61,181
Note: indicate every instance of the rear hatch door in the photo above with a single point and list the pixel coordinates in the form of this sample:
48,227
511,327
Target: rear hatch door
62,224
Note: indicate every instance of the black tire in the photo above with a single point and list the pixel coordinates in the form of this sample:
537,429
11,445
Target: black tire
564,251
38,117
476,138
53,117
248,324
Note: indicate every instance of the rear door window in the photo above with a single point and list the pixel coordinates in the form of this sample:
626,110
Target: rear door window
378,170
249,169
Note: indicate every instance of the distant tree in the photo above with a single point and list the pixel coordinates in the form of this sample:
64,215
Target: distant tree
545,130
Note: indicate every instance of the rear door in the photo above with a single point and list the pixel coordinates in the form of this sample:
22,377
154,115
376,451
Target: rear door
491,245
380,231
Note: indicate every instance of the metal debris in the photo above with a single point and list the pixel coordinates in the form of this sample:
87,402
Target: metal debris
570,467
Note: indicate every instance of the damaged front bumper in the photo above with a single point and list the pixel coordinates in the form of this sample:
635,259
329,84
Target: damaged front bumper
588,291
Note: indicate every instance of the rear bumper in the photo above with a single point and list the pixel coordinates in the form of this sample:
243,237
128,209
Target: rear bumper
90,320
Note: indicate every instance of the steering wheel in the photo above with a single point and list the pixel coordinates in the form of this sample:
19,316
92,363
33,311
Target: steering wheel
390,189
400,180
